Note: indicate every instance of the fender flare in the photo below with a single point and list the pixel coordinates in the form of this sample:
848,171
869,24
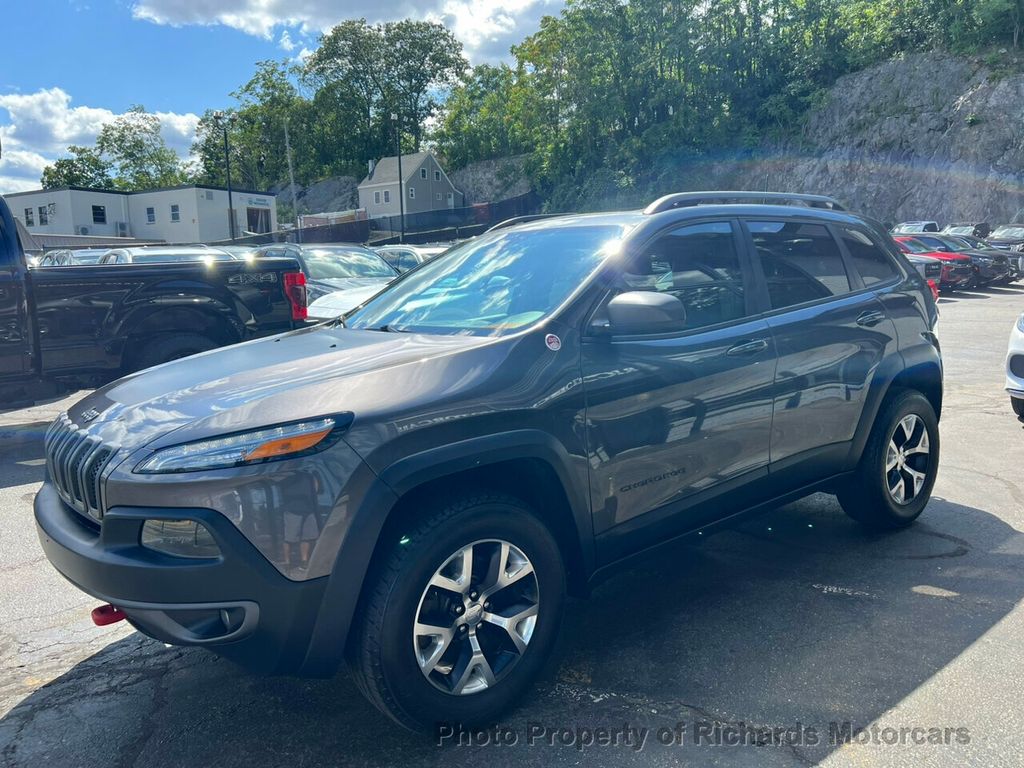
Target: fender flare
383,491
920,360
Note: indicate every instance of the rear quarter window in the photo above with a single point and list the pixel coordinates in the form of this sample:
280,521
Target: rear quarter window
872,263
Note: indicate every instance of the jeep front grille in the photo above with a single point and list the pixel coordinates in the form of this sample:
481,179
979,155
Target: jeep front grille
75,462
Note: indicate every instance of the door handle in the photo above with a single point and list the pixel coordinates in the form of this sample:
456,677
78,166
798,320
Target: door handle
747,348
870,318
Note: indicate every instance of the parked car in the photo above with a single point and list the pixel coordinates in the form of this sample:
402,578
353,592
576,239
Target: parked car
164,254
957,271
1015,368
404,257
95,322
930,269
915,227
417,488
67,257
976,229
339,277
989,267
1010,238
977,244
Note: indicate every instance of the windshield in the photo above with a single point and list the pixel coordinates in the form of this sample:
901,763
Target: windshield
967,230
327,263
914,246
1008,233
935,243
492,285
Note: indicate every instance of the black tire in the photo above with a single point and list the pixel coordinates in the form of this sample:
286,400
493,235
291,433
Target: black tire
1018,406
163,349
867,497
382,653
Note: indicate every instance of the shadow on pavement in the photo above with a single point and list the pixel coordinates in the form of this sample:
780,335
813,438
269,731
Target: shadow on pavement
798,616
21,453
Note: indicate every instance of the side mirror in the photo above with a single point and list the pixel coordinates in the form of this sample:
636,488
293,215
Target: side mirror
642,312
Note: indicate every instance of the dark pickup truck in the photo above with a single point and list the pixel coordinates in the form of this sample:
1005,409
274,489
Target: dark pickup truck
87,324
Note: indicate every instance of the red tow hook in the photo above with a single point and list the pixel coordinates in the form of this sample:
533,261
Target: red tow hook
107,614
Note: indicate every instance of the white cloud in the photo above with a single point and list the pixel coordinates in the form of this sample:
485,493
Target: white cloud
285,43
487,28
38,127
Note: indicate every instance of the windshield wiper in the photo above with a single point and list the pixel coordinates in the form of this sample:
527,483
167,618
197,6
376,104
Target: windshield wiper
386,328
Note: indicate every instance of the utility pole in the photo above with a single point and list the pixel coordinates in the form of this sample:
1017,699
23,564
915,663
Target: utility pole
291,182
224,122
401,191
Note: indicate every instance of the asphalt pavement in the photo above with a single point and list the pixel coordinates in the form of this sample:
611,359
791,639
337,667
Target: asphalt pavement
794,639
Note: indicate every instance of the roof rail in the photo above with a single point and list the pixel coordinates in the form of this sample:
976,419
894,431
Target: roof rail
689,199
521,220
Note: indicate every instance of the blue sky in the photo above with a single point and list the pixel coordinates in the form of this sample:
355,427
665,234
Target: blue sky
68,66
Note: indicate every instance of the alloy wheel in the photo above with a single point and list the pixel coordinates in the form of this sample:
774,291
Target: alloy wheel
476,617
907,459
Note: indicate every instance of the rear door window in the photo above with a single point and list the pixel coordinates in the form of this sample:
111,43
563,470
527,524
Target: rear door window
872,263
801,262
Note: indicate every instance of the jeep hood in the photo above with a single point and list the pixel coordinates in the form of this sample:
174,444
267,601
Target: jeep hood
300,375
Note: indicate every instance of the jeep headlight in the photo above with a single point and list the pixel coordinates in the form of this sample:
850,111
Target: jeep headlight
269,444
1020,323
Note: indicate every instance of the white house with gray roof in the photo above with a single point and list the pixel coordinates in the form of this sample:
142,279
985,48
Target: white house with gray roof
425,186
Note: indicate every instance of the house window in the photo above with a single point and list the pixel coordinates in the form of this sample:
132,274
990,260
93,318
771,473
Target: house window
30,217
412,193
209,194
423,173
387,196
376,198
175,213
44,215
99,214
439,196
151,215
437,175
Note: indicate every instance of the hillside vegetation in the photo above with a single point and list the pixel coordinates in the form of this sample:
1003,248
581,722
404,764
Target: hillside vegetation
614,101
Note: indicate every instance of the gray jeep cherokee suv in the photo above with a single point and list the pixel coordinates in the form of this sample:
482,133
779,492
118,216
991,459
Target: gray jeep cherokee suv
415,487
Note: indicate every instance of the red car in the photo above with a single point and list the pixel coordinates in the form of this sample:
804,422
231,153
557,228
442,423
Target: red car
956,267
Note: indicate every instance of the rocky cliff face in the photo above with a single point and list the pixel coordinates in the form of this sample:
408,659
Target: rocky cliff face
927,137
325,196
492,180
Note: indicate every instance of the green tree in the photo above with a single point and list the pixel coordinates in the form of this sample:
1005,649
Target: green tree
84,168
401,67
480,120
137,153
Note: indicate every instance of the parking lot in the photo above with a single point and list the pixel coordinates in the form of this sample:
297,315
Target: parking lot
798,625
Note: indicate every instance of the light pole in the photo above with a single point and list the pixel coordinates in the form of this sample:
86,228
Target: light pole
401,192
224,121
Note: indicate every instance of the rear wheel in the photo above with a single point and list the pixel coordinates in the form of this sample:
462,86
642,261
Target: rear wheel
462,614
163,349
897,471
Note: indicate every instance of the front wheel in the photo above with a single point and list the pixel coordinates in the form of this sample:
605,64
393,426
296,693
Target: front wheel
897,471
461,615
1018,406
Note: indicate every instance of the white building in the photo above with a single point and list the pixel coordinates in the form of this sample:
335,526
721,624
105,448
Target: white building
186,214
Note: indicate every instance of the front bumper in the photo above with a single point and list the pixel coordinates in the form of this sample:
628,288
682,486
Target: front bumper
237,604
1015,364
